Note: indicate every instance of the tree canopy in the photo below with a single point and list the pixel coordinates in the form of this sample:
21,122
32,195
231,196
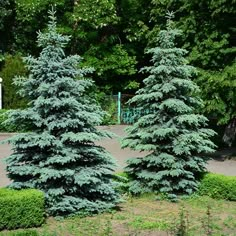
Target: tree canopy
113,35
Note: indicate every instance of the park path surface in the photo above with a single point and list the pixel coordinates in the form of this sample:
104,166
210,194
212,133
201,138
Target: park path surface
226,167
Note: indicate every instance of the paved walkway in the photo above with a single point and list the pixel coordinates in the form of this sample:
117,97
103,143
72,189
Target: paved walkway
227,167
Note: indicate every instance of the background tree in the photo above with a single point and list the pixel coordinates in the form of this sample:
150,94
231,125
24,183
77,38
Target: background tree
112,35
4,11
5,21
134,28
31,16
220,100
98,24
59,155
96,32
13,67
170,128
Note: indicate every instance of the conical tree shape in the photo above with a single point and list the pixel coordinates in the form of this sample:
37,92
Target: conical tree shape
170,128
59,155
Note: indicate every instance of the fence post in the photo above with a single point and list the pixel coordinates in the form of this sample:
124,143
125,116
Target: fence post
119,108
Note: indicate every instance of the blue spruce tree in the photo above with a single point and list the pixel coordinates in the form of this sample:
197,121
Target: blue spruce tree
170,129
58,154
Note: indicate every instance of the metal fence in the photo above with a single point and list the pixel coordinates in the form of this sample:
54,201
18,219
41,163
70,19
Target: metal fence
126,114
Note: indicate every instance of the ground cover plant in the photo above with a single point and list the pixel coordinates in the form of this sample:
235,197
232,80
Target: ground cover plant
171,128
59,155
145,216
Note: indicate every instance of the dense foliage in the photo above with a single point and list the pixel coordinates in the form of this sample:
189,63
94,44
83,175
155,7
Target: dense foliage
218,186
21,208
13,67
96,28
4,125
112,36
59,152
209,36
170,129
5,12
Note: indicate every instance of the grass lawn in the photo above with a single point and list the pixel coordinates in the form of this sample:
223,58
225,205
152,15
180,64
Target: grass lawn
149,217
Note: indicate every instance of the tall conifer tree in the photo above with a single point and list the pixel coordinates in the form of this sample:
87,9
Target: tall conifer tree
170,129
59,155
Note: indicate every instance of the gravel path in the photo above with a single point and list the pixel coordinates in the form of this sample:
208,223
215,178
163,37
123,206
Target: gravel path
227,167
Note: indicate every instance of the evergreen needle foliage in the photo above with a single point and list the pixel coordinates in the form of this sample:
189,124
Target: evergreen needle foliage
170,129
59,155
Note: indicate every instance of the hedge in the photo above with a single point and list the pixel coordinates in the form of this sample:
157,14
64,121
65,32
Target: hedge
218,186
21,208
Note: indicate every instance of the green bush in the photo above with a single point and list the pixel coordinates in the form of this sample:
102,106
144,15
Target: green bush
110,117
122,180
2,119
218,186
6,127
109,105
21,208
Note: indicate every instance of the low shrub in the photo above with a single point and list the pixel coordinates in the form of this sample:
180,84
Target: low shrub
122,180
218,186
21,208
6,127
3,117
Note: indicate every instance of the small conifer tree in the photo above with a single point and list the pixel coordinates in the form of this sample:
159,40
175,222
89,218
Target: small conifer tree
58,154
169,129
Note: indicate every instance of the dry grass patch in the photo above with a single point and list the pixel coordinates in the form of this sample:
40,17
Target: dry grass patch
147,216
